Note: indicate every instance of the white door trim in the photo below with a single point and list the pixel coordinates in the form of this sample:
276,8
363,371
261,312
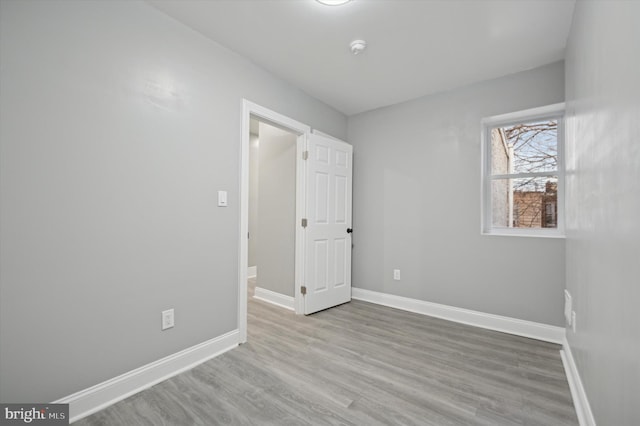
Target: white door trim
301,130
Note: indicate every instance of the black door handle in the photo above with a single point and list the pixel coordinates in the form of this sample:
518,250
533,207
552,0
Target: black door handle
349,230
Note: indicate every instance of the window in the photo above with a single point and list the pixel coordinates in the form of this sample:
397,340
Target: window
522,173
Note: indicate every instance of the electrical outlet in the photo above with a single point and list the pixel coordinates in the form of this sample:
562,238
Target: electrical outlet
167,319
396,274
573,321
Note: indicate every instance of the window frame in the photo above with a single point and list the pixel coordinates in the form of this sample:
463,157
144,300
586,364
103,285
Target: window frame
555,111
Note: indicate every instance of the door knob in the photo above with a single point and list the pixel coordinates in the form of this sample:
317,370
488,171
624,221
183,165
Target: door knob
349,230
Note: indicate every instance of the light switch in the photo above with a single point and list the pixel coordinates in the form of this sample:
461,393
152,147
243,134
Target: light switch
222,198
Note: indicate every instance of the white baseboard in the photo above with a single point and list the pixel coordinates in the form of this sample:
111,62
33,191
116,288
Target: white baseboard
278,299
100,396
534,330
579,395
252,271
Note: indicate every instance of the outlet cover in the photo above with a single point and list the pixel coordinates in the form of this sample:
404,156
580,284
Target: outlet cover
396,274
168,320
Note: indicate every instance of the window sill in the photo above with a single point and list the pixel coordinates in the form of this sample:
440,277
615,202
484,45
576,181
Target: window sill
505,233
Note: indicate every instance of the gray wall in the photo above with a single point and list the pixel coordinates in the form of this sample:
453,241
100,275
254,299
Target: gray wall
603,194
417,204
118,126
254,172
275,247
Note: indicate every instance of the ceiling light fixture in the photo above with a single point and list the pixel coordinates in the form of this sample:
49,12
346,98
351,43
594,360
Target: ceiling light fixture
333,2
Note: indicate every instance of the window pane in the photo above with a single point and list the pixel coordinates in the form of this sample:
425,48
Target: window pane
525,148
525,203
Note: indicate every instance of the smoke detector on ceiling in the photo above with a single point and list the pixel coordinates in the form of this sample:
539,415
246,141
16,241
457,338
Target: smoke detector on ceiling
357,46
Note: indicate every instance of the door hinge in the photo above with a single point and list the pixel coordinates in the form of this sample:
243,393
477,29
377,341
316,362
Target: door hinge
303,290
304,223
305,155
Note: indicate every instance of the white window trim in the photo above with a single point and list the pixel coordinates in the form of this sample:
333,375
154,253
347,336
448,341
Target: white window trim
550,111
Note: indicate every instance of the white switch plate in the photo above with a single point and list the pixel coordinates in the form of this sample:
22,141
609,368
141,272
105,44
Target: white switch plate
222,199
396,274
167,319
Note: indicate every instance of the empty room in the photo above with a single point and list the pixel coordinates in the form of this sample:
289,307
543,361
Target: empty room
320,212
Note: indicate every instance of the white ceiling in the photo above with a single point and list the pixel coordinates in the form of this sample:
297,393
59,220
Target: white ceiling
415,47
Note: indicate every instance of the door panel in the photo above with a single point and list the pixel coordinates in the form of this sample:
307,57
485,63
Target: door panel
327,242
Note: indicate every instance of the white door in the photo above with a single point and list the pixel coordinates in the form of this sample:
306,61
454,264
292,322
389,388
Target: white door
327,271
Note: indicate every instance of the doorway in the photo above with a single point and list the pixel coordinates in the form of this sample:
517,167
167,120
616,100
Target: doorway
323,179
254,111
272,213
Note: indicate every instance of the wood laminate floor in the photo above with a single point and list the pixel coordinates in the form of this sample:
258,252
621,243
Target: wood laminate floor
360,364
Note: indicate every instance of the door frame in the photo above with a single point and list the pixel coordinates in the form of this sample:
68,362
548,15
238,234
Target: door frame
301,131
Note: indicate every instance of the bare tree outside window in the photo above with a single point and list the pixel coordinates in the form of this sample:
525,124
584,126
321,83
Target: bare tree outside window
524,175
